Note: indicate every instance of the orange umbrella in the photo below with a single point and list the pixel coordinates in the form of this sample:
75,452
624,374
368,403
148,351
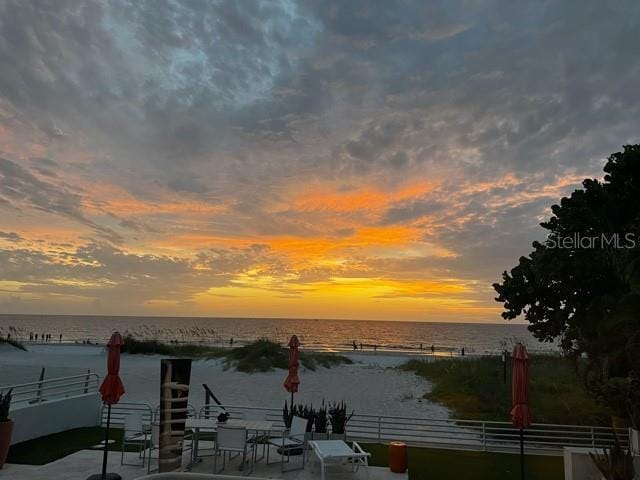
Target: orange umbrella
111,391
521,415
292,381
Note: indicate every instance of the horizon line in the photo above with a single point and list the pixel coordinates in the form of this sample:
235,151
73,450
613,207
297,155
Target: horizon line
505,322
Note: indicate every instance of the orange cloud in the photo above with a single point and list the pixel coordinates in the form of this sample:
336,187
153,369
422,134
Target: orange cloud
323,198
117,201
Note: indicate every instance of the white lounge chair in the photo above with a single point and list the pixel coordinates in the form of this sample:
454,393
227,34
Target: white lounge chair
292,440
337,452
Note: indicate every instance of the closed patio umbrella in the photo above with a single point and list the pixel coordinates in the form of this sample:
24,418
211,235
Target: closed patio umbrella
292,381
521,415
111,390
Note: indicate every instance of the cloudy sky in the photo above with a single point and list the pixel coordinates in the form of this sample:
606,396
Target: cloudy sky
381,160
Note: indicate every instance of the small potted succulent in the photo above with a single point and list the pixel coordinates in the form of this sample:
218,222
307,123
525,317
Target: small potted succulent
6,426
338,417
320,423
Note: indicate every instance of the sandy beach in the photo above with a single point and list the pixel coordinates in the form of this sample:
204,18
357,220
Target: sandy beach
370,385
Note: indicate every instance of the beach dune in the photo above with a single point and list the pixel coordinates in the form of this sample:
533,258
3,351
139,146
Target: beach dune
370,385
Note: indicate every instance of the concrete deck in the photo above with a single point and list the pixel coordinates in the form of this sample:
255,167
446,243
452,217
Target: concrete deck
80,465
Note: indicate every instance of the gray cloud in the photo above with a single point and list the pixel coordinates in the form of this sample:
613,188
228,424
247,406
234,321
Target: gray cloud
20,188
232,103
10,236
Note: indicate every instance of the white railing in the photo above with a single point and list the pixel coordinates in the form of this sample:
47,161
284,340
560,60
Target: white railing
52,388
122,409
435,432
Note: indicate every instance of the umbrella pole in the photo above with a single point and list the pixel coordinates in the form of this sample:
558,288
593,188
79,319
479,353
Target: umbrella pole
106,444
521,454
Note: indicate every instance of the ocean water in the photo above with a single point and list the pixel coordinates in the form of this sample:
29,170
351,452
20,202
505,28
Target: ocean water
320,334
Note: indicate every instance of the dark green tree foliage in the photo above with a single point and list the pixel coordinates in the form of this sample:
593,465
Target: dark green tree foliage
588,296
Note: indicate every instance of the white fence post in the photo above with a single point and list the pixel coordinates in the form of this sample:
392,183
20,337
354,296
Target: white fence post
86,382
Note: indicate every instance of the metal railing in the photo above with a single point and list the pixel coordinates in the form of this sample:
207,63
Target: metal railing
443,433
52,388
481,435
120,410
148,414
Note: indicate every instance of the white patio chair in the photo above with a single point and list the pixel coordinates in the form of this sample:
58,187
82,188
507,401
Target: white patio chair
232,440
134,435
154,444
292,440
257,437
205,440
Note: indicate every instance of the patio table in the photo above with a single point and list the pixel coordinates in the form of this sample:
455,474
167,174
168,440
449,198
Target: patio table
327,451
211,425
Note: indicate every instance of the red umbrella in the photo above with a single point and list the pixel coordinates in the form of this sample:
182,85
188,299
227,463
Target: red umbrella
111,391
521,415
292,381
112,388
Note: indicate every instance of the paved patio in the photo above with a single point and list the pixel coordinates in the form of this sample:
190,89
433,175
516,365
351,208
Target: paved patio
80,465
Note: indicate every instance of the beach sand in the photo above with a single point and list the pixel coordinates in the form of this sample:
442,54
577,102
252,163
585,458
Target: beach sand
369,386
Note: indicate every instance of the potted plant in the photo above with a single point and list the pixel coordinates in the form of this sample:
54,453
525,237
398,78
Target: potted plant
614,464
339,418
320,423
287,415
303,411
309,414
6,426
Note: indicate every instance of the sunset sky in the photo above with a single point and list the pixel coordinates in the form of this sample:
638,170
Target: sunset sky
297,159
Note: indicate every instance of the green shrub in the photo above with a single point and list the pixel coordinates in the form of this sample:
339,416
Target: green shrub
259,356
154,347
474,388
13,343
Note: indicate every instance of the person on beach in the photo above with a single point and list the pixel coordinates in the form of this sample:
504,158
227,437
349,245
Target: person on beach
31,336
462,352
231,342
355,347
60,339
433,349
420,346
360,345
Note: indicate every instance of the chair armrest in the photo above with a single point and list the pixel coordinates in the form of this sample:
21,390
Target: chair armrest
300,437
357,449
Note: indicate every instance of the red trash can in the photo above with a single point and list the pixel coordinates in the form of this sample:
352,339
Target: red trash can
398,457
